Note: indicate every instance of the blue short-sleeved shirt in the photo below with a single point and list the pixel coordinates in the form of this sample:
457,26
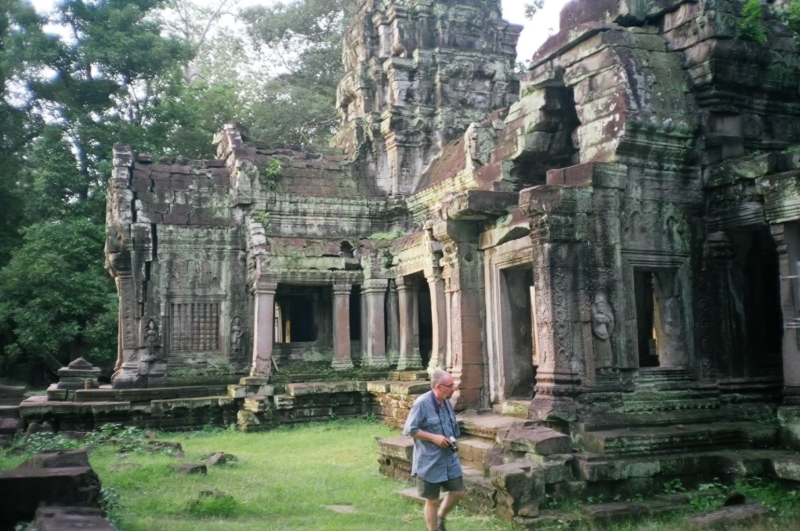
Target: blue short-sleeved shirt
433,463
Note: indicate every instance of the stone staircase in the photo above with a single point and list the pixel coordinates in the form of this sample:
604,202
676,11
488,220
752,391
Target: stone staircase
10,422
512,465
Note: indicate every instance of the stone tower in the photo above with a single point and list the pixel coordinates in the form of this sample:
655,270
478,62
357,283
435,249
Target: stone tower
417,73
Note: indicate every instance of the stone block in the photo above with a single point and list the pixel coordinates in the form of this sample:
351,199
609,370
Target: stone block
58,459
735,515
192,468
520,487
537,440
69,519
787,467
237,391
397,448
24,490
9,426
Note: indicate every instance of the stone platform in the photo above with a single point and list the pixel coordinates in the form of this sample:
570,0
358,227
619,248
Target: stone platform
511,465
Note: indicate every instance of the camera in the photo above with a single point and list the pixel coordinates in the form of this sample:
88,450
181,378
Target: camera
453,446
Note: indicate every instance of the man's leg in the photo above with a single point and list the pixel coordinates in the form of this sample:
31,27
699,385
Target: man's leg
431,516
450,502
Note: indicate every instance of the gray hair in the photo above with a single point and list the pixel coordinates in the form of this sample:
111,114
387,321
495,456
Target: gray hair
438,377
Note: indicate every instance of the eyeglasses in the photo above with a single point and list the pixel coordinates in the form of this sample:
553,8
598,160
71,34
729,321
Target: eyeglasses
449,386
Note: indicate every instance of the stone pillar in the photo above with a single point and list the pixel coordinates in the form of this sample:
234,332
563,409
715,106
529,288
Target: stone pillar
438,323
263,328
558,323
126,371
787,239
409,325
392,324
375,339
463,270
341,327
362,323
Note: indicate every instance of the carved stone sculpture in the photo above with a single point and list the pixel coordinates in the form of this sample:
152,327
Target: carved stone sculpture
602,328
236,336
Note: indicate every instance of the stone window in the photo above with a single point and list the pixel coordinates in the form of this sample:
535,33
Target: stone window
194,326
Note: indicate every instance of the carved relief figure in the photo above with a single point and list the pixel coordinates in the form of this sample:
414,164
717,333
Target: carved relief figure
151,338
236,336
602,328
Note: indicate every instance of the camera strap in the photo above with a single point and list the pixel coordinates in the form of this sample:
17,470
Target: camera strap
438,408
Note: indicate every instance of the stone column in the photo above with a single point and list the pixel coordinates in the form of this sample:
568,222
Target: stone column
375,338
392,324
463,270
409,325
438,323
787,238
341,327
264,328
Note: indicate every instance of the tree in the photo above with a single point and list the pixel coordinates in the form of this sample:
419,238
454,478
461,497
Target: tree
116,78
55,295
533,7
302,41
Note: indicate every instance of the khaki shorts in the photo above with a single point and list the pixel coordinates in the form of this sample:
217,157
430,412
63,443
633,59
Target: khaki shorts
430,491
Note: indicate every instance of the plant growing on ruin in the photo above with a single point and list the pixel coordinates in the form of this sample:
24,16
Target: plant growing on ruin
751,24
270,174
790,15
262,218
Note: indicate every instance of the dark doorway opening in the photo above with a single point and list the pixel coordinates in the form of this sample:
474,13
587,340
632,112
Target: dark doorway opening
763,315
425,321
645,318
519,372
355,313
301,312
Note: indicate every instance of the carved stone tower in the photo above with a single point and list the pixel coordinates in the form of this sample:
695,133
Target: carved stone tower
418,72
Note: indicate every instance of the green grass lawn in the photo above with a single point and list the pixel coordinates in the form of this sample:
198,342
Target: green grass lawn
287,478
283,480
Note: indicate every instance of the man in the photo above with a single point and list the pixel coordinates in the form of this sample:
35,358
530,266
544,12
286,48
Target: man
432,423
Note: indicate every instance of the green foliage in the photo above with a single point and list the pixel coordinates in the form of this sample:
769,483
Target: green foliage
751,24
213,504
55,296
790,15
110,502
263,218
674,486
302,39
399,233
533,7
270,174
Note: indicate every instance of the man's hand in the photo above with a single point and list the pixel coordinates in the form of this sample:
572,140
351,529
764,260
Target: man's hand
439,440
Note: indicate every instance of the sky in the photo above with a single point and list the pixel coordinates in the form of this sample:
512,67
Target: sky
536,31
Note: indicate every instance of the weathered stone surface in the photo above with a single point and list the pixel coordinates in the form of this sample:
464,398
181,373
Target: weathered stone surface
537,440
58,459
787,467
25,489
70,518
220,458
744,514
192,468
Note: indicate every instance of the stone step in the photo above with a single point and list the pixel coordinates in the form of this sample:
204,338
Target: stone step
486,425
146,395
9,412
706,465
515,408
408,376
686,438
473,450
249,391
162,406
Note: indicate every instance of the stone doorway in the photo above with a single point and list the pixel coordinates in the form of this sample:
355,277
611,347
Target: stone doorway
516,325
660,318
424,317
303,322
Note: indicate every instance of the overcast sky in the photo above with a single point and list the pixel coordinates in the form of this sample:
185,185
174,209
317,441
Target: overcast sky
536,31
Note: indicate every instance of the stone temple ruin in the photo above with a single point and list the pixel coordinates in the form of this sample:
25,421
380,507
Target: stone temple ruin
605,252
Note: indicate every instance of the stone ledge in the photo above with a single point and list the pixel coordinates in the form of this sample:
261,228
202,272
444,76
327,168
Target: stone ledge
314,388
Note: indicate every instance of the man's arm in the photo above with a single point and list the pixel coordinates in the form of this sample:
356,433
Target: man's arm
438,440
